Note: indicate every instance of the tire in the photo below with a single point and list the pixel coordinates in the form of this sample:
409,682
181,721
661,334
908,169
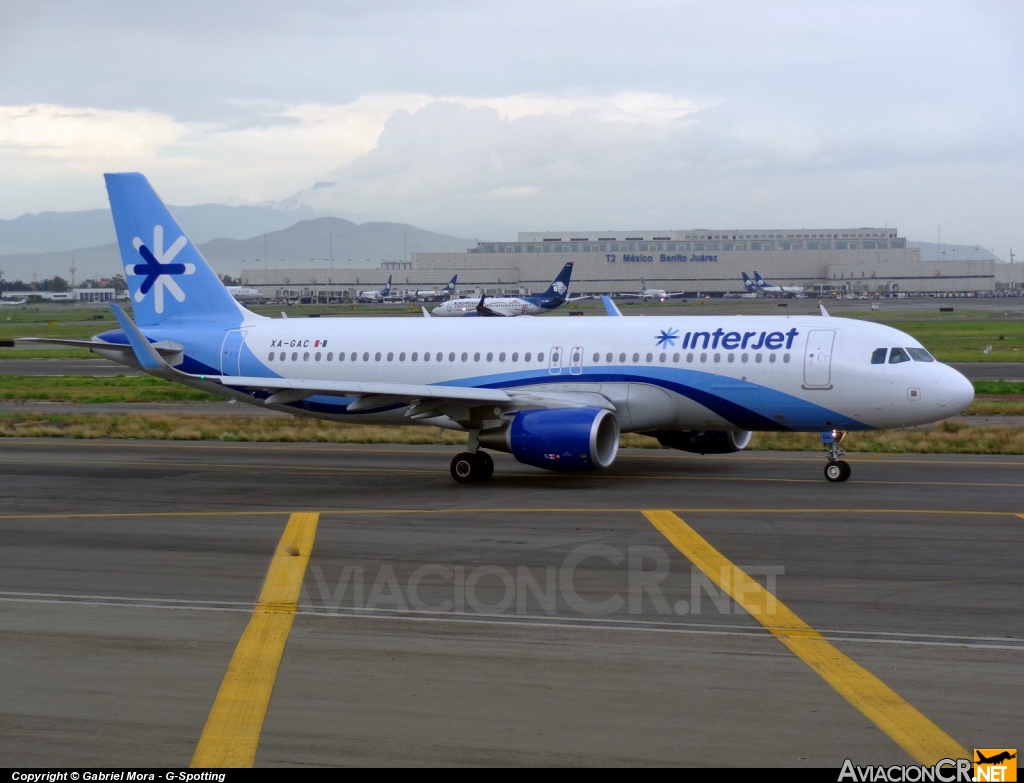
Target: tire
833,471
465,468
486,465
846,471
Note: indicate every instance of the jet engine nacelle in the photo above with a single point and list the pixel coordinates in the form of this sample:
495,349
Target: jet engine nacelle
703,442
560,439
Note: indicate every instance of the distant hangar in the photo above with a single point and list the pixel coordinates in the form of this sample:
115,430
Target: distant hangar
699,261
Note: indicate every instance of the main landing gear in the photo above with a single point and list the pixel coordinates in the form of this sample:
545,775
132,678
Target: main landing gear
835,468
470,468
474,465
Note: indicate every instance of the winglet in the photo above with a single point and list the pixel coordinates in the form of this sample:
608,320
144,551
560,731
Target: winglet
425,313
609,306
821,307
146,354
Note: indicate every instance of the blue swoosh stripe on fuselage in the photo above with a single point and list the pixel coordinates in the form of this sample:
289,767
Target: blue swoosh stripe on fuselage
800,415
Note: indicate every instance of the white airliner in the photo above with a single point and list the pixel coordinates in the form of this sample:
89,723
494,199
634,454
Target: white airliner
647,294
243,294
556,295
555,393
433,295
767,289
13,302
376,296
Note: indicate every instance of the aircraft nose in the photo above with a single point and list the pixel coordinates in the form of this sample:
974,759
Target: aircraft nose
955,391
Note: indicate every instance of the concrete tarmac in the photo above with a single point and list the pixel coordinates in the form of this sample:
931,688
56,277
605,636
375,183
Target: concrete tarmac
537,619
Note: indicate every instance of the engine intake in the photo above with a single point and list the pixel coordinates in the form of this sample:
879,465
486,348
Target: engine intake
703,442
563,439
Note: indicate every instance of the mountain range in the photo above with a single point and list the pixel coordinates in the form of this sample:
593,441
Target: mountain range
228,237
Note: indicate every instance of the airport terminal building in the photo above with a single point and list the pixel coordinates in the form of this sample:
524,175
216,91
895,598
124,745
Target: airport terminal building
700,261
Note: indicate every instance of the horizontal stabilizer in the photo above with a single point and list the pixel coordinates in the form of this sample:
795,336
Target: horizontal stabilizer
164,347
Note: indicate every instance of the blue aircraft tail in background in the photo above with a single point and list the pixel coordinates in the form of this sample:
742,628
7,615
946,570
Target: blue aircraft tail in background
749,284
558,291
450,288
168,279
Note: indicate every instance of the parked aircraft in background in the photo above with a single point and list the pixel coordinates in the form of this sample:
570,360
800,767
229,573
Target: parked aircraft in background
433,295
647,294
243,294
555,393
377,296
767,289
554,297
13,302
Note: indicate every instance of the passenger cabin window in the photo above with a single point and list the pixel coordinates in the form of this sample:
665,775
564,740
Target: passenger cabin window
920,355
898,355
878,357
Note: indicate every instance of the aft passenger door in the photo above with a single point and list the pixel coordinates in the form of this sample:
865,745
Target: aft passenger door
818,359
231,352
555,361
576,360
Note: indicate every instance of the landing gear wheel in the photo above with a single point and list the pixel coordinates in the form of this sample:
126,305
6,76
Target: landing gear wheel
837,470
486,465
469,468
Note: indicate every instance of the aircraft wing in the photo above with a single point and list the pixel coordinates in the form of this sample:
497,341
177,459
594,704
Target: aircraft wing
610,307
425,398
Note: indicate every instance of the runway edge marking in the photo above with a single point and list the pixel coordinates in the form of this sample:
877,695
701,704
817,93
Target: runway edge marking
232,732
905,725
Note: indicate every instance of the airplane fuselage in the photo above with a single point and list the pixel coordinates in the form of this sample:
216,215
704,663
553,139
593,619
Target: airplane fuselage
803,373
505,305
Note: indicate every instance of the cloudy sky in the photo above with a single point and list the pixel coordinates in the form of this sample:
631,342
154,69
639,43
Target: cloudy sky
486,118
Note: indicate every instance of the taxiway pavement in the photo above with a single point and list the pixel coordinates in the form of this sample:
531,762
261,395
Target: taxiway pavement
537,619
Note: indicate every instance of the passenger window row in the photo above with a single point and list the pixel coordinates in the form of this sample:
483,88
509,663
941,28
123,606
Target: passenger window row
663,358
415,356
676,358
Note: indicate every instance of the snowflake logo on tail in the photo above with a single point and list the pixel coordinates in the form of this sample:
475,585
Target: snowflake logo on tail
666,338
159,269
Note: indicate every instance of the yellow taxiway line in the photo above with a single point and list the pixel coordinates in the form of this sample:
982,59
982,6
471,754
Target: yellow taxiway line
910,729
232,731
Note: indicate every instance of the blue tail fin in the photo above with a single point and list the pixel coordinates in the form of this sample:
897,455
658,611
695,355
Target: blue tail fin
761,283
560,285
386,291
450,288
167,277
748,283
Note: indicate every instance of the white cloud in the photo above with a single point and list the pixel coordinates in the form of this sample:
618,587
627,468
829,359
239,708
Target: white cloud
279,149
74,135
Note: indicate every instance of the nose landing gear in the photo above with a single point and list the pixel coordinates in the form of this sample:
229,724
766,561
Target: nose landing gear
835,469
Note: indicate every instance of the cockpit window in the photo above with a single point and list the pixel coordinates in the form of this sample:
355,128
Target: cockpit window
920,355
878,357
898,355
